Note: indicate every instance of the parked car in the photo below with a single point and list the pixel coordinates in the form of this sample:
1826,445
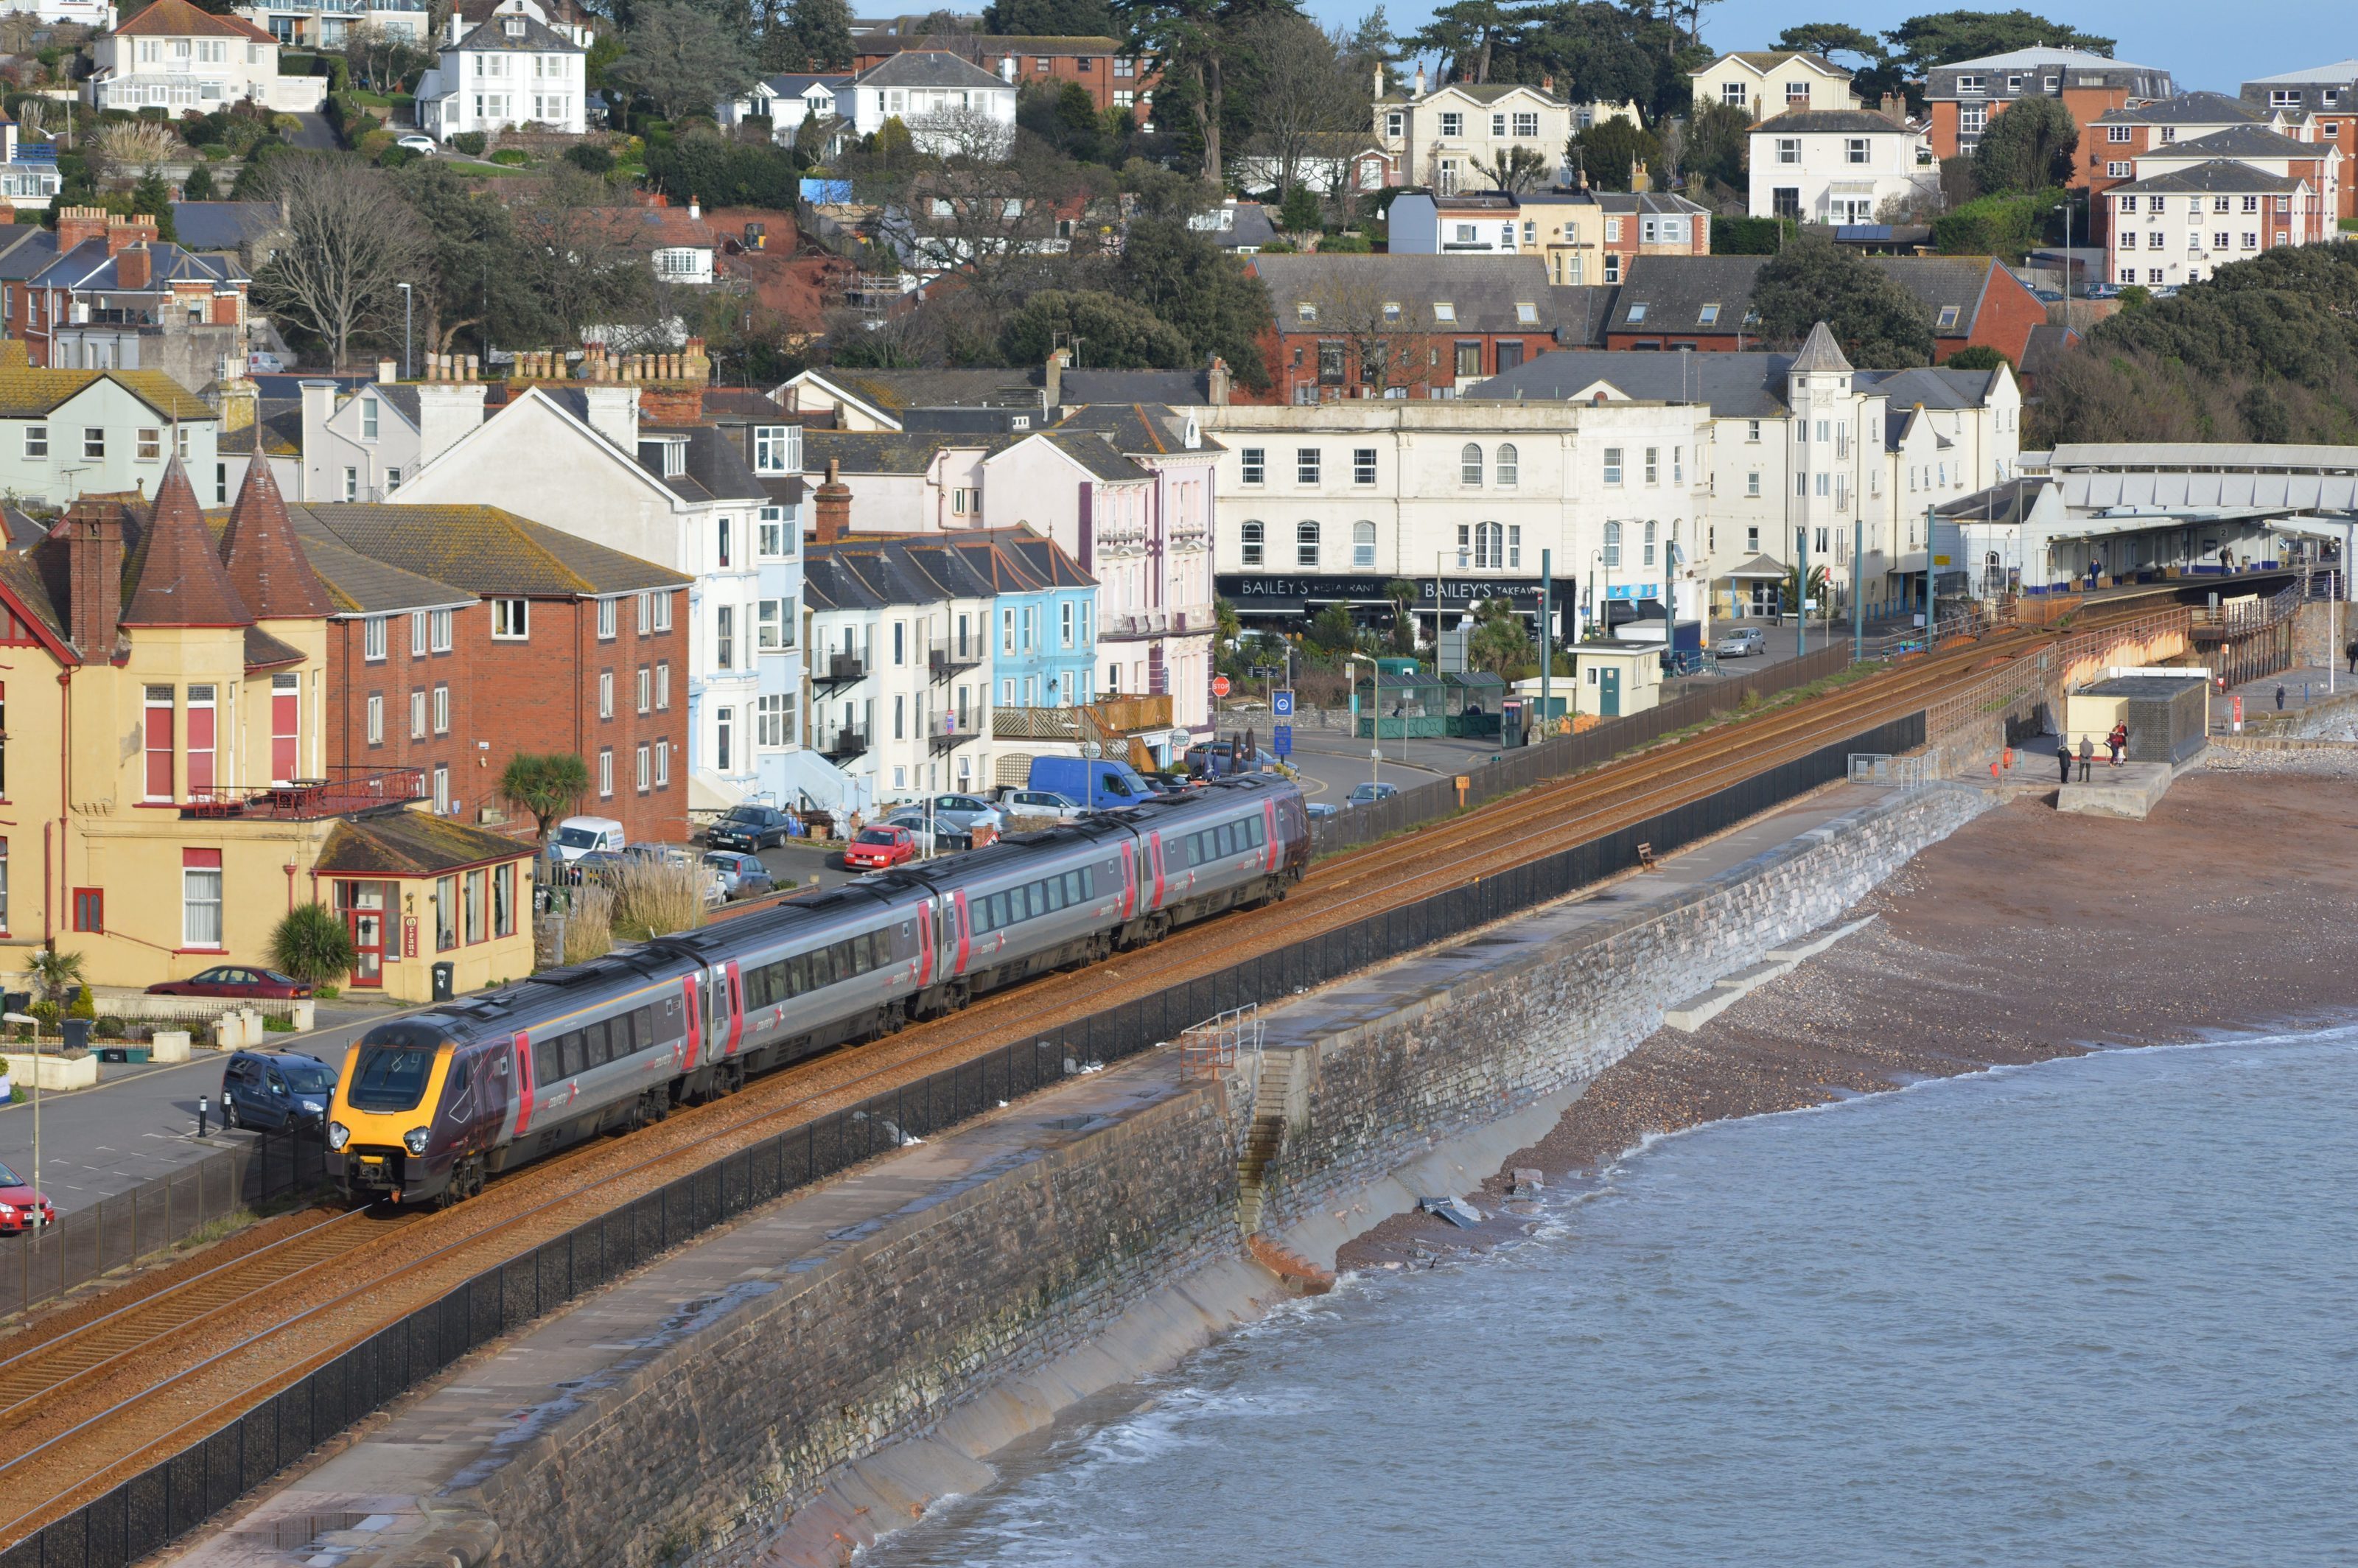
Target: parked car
1319,808
754,827
276,1088
936,837
416,142
264,362
21,1207
965,812
597,866
1741,643
235,980
740,876
880,847
1369,794
576,836
1041,803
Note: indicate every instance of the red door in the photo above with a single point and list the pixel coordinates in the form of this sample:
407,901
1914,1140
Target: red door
368,945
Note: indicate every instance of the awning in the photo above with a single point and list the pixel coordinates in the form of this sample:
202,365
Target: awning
1851,186
1760,567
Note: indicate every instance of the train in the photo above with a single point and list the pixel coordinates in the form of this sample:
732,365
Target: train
430,1105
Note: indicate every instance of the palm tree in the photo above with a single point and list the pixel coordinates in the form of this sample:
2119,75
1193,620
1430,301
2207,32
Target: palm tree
1402,593
544,784
54,971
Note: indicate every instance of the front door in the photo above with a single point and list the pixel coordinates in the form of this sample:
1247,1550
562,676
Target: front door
364,918
1608,692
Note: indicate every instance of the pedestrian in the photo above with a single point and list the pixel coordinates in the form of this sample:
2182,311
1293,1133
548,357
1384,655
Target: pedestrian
2280,696
2352,651
2087,757
2116,742
2063,757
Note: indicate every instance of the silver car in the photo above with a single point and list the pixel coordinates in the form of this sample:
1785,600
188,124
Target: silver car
938,838
963,813
1041,803
1741,643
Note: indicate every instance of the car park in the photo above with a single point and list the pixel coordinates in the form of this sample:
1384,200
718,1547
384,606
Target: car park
21,1207
276,1089
1369,794
415,141
1041,803
1741,643
880,847
739,875
235,980
754,827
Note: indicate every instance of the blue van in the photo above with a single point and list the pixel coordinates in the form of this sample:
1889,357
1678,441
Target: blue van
1098,784
276,1088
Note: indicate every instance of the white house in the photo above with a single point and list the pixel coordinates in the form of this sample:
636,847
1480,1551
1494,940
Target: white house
513,69
578,459
363,443
1840,166
948,103
324,24
1763,83
787,100
1444,139
181,58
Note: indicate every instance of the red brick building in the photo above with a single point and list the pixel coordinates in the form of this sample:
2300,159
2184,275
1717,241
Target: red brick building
1961,97
2322,103
83,296
1439,322
522,639
1115,78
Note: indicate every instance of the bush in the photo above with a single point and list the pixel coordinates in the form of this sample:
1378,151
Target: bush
83,1005
1278,248
654,898
468,142
395,158
278,1026
511,158
1977,356
48,1012
1750,236
1347,245
292,62
310,942
589,158
2001,226
373,145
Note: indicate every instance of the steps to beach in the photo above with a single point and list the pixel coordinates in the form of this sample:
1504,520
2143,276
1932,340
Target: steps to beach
1726,991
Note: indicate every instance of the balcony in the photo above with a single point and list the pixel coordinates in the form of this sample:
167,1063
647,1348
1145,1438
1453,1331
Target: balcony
1113,718
945,659
833,671
943,742
313,800
842,743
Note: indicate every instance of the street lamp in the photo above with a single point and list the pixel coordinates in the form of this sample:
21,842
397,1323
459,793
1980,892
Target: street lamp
29,1017
406,299
1374,717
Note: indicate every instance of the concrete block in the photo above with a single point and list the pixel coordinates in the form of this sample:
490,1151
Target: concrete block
1697,1011
169,1045
1758,974
58,1073
226,1033
2130,791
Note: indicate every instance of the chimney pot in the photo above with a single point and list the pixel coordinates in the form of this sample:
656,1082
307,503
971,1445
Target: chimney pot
832,507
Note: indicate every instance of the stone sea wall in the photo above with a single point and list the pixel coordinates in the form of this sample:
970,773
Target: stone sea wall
789,1423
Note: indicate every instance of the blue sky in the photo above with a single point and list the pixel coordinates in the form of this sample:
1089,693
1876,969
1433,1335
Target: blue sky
2201,45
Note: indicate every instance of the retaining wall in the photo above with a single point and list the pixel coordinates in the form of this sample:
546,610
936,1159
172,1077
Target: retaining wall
730,1447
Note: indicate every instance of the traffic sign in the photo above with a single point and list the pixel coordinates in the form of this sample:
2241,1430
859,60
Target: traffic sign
1281,739
1280,703
1219,686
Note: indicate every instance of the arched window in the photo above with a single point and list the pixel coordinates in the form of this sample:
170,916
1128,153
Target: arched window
1490,547
1254,535
1509,464
1469,464
1305,543
1650,543
1612,546
1363,547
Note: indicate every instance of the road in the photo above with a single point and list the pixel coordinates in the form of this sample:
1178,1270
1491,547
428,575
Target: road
316,134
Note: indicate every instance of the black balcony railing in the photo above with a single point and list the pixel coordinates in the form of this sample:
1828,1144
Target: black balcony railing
837,744
837,669
946,659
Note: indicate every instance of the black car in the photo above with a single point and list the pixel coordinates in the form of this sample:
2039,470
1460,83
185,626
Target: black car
276,1088
748,827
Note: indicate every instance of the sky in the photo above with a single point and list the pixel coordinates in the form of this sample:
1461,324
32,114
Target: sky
2201,45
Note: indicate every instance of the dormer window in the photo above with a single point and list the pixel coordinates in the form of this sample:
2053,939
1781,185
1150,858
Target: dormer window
512,26
1391,312
1526,314
1636,313
1304,310
777,448
668,456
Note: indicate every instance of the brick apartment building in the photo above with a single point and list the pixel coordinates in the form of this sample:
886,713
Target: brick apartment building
1960,97
2323,101
102,292
525,640
1116,79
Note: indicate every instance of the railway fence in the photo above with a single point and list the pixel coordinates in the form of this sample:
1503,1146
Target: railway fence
173,1496
115,1232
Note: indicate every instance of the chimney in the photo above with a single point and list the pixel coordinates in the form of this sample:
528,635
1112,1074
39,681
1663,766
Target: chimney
670,405
94,574
125,232
76,224
318,406
1053,394
695,208
1216,383
1419,78
1380,79
132,267
387,371
614,414
1547,84
1640,179
833,506
446,411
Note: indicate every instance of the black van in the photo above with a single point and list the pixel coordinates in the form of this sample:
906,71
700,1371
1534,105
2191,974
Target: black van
276,1088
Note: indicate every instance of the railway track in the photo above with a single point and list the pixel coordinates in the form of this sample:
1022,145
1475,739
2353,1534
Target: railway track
90,1407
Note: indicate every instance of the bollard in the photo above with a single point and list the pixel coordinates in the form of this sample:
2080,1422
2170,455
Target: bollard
204,1109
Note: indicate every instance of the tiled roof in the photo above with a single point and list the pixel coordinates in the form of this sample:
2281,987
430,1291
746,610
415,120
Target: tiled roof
537,37
29,390
2242,142
1139,429
744,403
411,844
2185,109
29,255
1096,455
1048,561
889,451
358,585
1483,292
1943,281
265,652
869,571
1819,354
1669,294
87,266
715,467
795,83
173,577
179,19
1178,388
21,575
1839,121
1770,60
1747,385
2047,344
223,225
2222,175
930,68
897,389
264,560
484,550
22,530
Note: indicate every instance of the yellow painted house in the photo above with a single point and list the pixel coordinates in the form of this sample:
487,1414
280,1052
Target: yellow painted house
164,792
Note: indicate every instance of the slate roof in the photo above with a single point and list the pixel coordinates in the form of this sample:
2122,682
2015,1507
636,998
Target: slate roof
2242,142
929,68
483,550
1819,354
2185,109
1480,93
1095,456
1049,563
794,84
21,575
412,844
29,390
888,451
993,44
1834,122
2340,70
223,225
22,530
537,37
172,576
2047,344
870,571
1962,281
1483,290
1178,388
179,19
1139,429
1747,385
265,561
715,469
892,390
87,266
1770,60
2219,175
1674,290
21,244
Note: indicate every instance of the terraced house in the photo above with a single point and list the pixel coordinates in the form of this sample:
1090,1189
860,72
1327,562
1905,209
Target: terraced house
67,433
104,292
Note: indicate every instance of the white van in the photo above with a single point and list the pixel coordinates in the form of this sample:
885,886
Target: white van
576,836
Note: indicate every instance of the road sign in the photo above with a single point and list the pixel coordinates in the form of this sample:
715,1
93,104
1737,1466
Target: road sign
1281,739
1281,703
1219,686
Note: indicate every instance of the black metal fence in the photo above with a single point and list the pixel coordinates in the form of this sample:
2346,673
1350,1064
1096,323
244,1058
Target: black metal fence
1508,771
120,1230
147,1512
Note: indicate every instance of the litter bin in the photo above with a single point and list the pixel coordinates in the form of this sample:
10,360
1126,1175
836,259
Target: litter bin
76,1033
444,989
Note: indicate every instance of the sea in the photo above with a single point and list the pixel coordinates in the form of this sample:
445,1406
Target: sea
2101,1310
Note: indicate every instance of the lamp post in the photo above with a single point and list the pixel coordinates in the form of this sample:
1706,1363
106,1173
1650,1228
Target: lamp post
1375,717
406,299
29,1017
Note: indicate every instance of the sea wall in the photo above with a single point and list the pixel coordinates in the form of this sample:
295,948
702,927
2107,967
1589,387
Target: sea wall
811,1410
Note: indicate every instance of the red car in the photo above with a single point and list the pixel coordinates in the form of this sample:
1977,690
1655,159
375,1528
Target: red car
875,849
229,979
22,1208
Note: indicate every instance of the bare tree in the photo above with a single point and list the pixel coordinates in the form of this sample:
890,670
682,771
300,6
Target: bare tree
581,254
1371,333
963,133
350,242
1311,94
1004,229
381,56
1516,168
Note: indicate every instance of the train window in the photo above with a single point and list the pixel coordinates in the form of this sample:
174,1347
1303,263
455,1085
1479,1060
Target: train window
1254,830
642,1025
1076,886
571,1042
547,1062
598,1045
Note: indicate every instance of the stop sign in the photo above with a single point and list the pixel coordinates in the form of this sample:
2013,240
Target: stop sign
1219,686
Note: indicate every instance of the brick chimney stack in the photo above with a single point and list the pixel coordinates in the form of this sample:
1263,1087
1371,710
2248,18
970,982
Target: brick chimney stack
94,575
133,267
76,224
833,508
125,232
1218,382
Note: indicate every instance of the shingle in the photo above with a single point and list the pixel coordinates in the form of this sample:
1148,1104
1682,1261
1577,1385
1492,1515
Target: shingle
1674,290
358,585
929,68
1484,292
177,18
2220,176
